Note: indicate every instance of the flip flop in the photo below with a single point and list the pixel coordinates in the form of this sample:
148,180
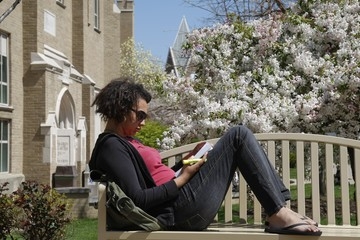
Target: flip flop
291,231
304,218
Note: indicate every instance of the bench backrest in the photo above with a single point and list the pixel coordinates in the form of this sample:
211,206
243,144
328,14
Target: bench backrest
313,159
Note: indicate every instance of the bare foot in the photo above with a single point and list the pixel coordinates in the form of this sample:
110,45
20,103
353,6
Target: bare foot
305,218
285,217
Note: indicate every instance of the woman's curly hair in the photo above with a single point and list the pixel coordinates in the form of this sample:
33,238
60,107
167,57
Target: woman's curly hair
118,97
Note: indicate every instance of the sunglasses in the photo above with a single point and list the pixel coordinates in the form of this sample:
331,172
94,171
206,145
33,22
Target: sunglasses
140,115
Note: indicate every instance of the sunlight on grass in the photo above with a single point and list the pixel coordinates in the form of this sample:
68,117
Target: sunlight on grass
337,190
82,229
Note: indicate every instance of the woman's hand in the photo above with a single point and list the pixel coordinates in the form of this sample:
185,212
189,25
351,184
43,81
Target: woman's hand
188,171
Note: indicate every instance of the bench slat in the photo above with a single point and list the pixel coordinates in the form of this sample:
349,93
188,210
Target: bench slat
330,192
300,176
357,186
345,200
315,180
243,198
285,171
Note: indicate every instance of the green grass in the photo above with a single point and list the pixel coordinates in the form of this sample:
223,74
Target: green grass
337,191
82,229
292,172
337,194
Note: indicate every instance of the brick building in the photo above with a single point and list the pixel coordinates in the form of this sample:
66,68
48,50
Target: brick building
55,56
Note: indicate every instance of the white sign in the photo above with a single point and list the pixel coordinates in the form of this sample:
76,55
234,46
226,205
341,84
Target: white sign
63,150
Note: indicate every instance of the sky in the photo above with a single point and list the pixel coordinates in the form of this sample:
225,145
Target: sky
157,23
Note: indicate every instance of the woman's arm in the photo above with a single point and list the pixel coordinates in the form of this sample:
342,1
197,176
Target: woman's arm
187,172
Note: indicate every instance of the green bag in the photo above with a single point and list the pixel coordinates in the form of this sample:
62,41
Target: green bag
122,213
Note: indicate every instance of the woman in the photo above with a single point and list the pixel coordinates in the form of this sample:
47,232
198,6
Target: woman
191,200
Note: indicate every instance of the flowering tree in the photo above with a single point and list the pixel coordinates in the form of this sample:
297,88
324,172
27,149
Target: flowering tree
141,65
297,71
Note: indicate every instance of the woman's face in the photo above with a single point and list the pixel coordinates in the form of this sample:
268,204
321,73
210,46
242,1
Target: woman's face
135,119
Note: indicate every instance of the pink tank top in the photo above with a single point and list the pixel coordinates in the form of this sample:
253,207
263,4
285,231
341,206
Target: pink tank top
159,171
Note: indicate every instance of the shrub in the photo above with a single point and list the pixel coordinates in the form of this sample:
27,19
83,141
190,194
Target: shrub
150,133
44,212
7,212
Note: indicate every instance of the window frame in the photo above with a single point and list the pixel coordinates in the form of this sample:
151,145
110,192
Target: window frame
6,83
97,14
6,142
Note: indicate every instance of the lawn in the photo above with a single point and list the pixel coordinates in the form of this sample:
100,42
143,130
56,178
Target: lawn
82,229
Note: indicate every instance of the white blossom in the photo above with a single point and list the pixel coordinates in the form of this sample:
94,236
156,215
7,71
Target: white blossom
299,72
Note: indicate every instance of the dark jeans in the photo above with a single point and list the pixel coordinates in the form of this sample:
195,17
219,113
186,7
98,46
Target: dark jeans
202,196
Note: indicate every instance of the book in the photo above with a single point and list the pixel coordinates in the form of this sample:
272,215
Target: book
204,149
196,154
199,150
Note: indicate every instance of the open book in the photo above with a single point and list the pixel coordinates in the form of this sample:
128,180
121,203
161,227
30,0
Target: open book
197,153
206,147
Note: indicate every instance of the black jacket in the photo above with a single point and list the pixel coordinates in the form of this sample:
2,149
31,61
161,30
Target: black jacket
120,161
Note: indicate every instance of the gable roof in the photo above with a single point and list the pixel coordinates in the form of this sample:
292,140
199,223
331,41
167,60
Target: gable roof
177,60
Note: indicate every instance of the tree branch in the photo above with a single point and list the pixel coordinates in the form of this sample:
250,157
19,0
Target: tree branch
7,12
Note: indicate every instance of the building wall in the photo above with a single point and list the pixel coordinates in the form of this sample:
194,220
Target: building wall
34,114
93,45
126,20
111,45
62,40
123,15
12,25
70,59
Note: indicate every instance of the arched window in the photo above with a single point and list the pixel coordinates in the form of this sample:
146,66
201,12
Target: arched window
66,113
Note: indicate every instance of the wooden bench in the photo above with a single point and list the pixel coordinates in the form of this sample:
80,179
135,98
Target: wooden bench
314,157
